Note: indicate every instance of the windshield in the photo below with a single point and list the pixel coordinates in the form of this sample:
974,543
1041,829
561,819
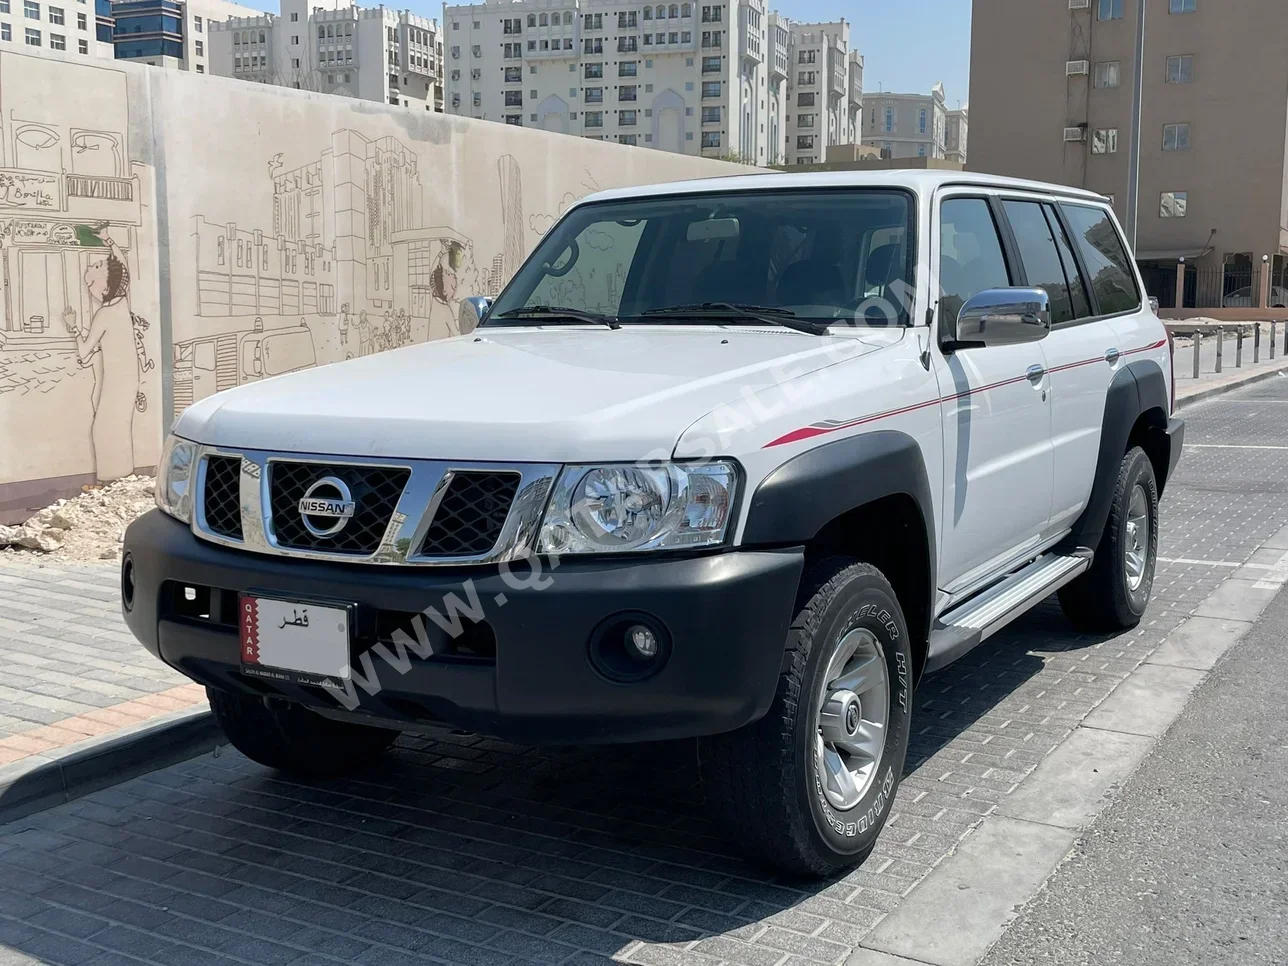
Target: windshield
825,255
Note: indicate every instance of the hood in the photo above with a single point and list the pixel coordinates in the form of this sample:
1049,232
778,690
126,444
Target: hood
555,394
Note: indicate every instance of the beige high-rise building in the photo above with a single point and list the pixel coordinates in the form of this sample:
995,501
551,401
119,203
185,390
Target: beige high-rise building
1051,98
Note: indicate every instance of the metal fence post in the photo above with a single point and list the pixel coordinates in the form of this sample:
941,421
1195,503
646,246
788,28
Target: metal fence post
1238,349
1256,344
1198,345
1220,344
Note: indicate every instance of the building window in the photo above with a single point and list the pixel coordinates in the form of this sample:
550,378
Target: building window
1104,141
476,50
57,15
711,139
594,118
626,118
631,139
1181,6
710,88
1176,137
4,6
82,45
200,48
921,150
1107,74
295,18
889,119
1180,69
1173,204
33,37
711,115
806,57
1109,10
514,98
201,68
710,65
81,22
196,24
921,122
57,42
594,71
627,92
31,10
804,120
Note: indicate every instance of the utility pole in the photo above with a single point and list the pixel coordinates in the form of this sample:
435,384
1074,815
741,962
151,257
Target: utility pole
1133,158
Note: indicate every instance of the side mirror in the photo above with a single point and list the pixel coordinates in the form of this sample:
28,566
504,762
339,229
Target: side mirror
473,310
1153,304
1002,316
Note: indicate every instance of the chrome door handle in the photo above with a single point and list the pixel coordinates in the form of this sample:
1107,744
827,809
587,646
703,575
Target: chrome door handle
1112,356
1035,374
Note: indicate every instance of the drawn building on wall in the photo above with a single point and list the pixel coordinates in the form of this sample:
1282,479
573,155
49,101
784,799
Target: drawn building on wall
64,168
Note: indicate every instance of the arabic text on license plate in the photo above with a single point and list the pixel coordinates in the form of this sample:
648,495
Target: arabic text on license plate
292,636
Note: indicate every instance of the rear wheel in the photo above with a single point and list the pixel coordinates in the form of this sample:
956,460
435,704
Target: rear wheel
1114,592
808,787
292,738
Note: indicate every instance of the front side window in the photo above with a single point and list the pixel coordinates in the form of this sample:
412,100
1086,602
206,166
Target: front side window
824,254
1043,267
970,254
1105,257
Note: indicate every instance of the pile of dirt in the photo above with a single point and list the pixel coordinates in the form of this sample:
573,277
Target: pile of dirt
86,528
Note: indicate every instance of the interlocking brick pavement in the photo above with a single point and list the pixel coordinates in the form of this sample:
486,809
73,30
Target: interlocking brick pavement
71,669
466,851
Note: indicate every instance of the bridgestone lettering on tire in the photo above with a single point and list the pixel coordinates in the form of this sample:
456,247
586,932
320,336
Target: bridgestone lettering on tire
768,781
293,738
1113,594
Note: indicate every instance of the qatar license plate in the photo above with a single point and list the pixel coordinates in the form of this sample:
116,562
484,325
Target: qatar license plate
292,640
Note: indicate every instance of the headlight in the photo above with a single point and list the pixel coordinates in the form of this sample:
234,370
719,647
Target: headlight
623,507
175,475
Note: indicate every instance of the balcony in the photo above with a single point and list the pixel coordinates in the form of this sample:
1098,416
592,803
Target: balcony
837,86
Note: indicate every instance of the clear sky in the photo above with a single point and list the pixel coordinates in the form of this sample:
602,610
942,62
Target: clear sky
908,45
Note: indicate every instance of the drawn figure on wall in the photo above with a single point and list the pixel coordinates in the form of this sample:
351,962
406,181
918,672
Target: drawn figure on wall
107,343
454,277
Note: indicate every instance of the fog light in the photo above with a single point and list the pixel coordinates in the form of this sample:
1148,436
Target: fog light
641,643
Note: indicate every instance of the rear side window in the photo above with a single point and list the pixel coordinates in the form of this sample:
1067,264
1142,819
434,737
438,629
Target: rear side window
1077,289
1041,260
970,254
1105,257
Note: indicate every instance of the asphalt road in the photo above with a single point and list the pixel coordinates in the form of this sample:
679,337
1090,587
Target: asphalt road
1190,863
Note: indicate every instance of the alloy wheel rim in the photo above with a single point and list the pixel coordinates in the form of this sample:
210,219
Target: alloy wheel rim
1136,544
853,716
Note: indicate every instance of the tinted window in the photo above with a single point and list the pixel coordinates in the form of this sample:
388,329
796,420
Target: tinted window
1077,288
1041,261
823,254
970,254
1105,257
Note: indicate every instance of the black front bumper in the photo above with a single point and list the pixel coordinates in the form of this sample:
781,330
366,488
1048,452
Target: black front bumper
727,617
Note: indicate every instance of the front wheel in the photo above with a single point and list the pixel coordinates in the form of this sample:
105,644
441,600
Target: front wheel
808,787
1113,594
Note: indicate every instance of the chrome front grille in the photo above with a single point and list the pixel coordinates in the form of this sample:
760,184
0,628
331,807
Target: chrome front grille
471,515
221,495
410,512
375,491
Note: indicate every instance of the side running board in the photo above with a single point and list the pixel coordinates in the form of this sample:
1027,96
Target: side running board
969,623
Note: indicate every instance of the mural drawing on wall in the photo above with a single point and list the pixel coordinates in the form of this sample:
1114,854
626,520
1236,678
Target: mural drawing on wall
76,363
345,264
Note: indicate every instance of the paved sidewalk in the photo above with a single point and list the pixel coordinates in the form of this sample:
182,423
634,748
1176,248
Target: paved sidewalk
71,668
1210,381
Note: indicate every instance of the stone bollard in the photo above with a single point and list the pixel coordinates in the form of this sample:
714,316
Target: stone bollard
1256,344
1272,339
1220,345
1238,349
1198,345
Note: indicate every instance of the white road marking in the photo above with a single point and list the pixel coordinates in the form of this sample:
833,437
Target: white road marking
1229,446
1206,563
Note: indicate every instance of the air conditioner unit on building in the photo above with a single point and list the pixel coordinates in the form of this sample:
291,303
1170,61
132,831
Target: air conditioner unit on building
1079,4
1075,134
1075,67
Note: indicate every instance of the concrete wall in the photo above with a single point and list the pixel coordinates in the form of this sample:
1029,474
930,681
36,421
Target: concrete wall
259,230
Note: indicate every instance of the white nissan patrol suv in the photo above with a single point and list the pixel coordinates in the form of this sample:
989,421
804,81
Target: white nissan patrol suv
738,460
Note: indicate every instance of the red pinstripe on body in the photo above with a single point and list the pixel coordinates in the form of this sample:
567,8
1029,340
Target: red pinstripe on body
832,426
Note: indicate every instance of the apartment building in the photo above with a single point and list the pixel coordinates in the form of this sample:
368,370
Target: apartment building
1051,97
916,126
712,79
825,91
170,33
72,26
335,47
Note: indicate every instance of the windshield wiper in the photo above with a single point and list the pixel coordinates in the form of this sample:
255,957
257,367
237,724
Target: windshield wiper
540,312
765,314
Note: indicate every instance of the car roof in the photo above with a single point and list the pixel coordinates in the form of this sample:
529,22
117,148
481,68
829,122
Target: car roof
919,181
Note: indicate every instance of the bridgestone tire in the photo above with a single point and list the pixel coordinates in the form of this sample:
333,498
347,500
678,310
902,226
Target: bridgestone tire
763,780
293,738
1102,598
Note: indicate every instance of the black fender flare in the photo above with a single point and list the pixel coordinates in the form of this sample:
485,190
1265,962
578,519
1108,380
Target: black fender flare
803,495
1135,388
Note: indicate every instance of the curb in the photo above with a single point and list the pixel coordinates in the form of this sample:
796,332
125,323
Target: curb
43,781
1207,393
